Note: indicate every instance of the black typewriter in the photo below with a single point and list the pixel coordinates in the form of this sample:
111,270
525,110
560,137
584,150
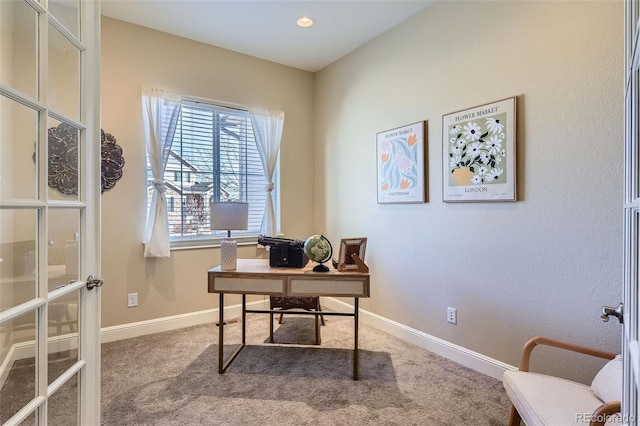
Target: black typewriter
284,252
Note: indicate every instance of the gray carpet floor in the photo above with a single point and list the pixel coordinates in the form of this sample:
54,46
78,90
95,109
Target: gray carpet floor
172,378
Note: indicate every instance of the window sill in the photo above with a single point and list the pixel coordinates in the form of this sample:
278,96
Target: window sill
205,243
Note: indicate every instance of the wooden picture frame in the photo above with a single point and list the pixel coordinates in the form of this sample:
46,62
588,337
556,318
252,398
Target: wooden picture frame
479,153
401,164
349,246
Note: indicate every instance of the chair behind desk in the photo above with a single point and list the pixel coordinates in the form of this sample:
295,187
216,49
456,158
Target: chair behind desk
308,303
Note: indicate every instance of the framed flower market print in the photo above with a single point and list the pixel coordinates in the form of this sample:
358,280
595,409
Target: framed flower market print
401,164
479,153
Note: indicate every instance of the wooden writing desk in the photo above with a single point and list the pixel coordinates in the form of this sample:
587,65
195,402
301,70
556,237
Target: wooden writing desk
254,276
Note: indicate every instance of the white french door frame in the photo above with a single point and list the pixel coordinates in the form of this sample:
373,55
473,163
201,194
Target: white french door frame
630,335
87,366
90,313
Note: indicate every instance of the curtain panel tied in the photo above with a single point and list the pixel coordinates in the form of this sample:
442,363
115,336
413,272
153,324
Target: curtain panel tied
160,112
267,128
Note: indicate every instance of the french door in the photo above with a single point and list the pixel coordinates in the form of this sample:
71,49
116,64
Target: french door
49,212
630,338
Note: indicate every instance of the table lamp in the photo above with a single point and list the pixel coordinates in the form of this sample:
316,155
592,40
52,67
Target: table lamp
229,215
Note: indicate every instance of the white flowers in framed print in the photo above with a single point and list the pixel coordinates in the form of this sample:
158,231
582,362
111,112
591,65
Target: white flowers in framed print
479,153
401,164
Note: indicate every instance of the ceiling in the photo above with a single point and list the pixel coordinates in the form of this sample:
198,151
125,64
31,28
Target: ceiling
267,28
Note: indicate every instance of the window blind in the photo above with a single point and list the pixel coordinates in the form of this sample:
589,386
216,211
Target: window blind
213,158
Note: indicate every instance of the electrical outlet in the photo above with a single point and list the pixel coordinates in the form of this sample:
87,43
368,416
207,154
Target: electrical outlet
452,315
132,300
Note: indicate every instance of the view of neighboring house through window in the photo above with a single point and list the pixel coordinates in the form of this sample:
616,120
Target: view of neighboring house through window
177,176
213,158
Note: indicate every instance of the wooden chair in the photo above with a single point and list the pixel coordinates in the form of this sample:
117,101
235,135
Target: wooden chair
547,400
283,303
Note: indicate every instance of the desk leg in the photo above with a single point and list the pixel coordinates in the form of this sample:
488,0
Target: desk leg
270,326
244,318
221,334
222,365
355,348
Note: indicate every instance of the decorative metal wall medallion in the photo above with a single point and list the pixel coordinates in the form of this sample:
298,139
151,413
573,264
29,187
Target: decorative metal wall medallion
63,159
112,160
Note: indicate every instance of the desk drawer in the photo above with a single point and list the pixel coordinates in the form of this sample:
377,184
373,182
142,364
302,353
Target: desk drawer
248,285
333,287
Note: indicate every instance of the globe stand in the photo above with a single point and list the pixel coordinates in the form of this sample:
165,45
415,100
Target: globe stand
320,268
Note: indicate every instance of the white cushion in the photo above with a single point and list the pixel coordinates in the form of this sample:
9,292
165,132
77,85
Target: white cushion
607,385
551,401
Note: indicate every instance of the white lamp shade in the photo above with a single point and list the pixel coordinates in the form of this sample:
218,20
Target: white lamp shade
229,215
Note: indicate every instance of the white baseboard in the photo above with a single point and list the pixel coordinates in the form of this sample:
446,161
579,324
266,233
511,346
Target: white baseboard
158,325
478,362
463,356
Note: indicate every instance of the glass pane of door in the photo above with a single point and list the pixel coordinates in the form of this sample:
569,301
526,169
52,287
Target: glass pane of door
18,46
18,150
63,409
64,75
67,13
19,386
62,339
63,246
63,165
18,264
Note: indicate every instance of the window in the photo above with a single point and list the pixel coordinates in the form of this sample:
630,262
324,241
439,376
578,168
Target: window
179,176
213,157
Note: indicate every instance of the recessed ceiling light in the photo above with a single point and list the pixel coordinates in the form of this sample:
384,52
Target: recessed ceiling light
304,22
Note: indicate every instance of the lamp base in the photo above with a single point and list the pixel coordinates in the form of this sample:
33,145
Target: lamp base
228,254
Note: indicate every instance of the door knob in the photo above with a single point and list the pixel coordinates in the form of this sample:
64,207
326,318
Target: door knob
93,282
608,311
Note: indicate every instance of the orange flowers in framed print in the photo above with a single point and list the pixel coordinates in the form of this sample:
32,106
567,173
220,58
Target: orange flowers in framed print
401,164
479,153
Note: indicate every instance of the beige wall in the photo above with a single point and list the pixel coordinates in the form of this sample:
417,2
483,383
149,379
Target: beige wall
133,57
544,265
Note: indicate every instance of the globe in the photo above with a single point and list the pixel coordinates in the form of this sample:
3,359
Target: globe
318,248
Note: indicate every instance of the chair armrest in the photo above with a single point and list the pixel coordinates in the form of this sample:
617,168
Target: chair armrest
599,417
528,348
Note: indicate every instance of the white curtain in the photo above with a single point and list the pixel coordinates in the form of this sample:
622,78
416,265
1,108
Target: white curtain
267,127
160,112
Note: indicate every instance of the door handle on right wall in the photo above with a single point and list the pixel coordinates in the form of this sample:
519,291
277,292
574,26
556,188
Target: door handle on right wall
608,311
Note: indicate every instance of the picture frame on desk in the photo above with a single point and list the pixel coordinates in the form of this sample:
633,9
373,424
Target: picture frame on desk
348,247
